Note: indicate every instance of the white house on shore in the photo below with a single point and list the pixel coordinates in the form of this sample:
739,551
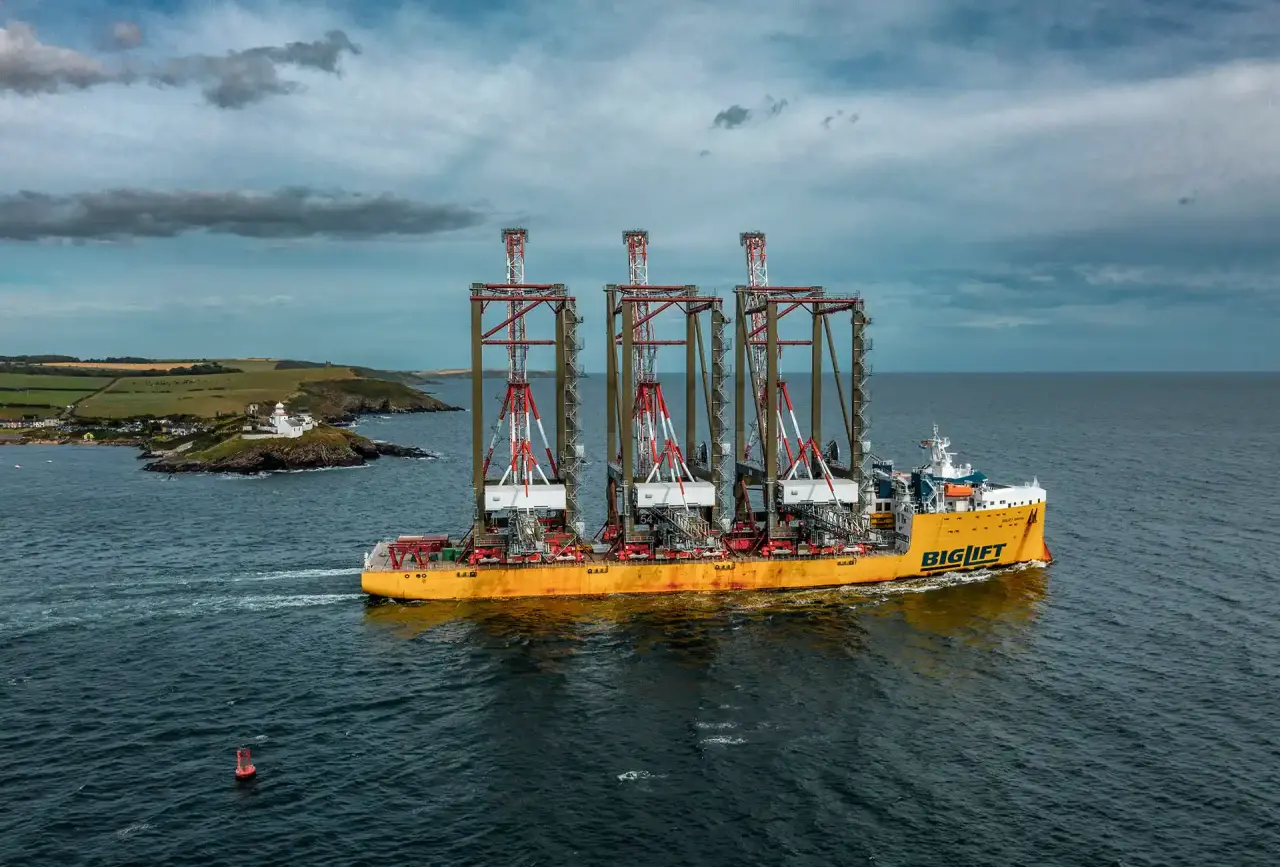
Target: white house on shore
280,424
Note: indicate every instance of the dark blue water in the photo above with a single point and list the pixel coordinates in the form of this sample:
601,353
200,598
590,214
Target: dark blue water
1117,708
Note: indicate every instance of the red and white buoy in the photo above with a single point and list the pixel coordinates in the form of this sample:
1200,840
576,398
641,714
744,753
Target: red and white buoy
244,764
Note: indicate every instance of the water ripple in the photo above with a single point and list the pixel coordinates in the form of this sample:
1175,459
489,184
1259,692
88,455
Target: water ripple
1110,709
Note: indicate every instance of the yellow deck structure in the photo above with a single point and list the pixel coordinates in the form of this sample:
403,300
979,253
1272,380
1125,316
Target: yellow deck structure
940,542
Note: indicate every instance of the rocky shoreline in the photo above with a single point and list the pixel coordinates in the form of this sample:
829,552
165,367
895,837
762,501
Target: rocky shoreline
321,448
223,450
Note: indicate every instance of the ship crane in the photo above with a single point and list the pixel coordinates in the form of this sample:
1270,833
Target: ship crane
660,507
757,293
528,511
811,505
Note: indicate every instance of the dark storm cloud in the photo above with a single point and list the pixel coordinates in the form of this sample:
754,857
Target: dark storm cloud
774,106
232,80
294,212
732,117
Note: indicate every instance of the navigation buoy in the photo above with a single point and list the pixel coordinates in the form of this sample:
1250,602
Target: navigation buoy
244,764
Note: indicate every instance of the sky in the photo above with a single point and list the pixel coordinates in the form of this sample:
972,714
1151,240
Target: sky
1011,185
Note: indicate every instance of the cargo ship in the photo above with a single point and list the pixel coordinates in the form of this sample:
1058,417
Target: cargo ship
773,508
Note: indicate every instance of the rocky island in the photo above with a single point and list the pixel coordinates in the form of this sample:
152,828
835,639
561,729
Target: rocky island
226,450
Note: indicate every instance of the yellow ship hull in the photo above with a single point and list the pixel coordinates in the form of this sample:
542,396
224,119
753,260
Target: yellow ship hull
944,542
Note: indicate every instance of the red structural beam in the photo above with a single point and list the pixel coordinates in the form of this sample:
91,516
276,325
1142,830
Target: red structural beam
518,342
548,298
512,318
824,307
779,290
541,286
650,288
763,306
648,316
684,305
780,315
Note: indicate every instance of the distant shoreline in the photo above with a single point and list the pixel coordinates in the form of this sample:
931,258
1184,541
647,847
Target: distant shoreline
4,441
428,376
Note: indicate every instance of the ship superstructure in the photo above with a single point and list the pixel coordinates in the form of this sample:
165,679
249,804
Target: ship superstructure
774,508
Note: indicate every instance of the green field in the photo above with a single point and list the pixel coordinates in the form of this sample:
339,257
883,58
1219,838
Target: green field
202,396
30,380
36,397
23,394
19,412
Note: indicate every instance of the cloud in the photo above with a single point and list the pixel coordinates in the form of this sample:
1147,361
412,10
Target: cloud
286,213
736,115
29,67
997,321
32,303
239,78
1014,144
124,35
233,80
732,117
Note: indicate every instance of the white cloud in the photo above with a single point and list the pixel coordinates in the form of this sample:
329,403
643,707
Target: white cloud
999,321
584,121
604,127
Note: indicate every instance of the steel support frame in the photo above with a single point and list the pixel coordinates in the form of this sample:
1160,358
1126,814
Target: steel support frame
820,307
621,323
567,372
859,445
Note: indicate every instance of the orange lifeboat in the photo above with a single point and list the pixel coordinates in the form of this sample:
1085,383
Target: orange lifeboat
957,490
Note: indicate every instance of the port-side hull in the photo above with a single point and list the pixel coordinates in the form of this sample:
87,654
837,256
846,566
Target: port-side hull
944,542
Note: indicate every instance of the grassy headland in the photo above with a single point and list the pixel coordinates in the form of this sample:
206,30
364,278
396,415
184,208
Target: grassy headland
224,450
112,391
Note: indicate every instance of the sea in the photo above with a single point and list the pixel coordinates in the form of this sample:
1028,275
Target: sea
1117,707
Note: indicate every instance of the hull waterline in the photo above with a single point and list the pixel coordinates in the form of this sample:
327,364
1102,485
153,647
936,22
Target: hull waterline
940,543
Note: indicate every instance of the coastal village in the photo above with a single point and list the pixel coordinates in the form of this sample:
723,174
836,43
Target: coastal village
279,423
64,430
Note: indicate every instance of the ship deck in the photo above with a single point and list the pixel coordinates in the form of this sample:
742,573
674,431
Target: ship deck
379,560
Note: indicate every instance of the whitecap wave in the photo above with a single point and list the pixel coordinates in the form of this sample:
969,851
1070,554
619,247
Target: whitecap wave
135,828
289,574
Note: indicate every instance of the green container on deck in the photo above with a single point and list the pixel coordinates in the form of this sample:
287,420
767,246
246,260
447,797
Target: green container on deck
433,557
450,554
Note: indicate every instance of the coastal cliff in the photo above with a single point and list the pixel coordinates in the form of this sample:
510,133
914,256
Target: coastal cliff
319,448
345,399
